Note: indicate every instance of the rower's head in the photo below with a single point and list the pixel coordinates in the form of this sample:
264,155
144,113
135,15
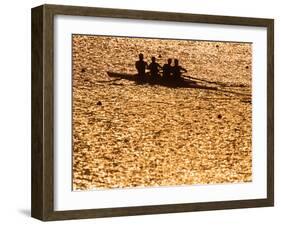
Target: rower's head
169,61
153,59
141,56
176,62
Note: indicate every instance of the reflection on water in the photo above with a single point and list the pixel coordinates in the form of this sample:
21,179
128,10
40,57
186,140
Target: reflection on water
127,134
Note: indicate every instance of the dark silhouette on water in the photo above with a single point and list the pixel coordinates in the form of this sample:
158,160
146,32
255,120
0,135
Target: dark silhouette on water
172,77
167,70
99,103
141,65
183,82
179,83
154,68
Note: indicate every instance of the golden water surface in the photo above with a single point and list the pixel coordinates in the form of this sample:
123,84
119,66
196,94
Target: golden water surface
131,135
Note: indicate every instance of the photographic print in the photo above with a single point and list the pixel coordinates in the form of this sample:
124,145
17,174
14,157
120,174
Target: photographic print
148,112
160,112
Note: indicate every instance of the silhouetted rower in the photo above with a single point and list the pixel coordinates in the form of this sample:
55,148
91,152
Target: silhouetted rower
141,65
154,68
177,70
167,69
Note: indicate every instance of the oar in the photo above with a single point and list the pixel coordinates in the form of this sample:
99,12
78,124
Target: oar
210,82
198,79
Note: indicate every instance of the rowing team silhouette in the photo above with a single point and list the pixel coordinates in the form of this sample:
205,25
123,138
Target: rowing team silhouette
169,71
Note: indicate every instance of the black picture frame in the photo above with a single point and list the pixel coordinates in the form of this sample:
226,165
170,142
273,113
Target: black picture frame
42,203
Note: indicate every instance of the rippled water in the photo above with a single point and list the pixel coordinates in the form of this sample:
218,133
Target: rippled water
127,135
